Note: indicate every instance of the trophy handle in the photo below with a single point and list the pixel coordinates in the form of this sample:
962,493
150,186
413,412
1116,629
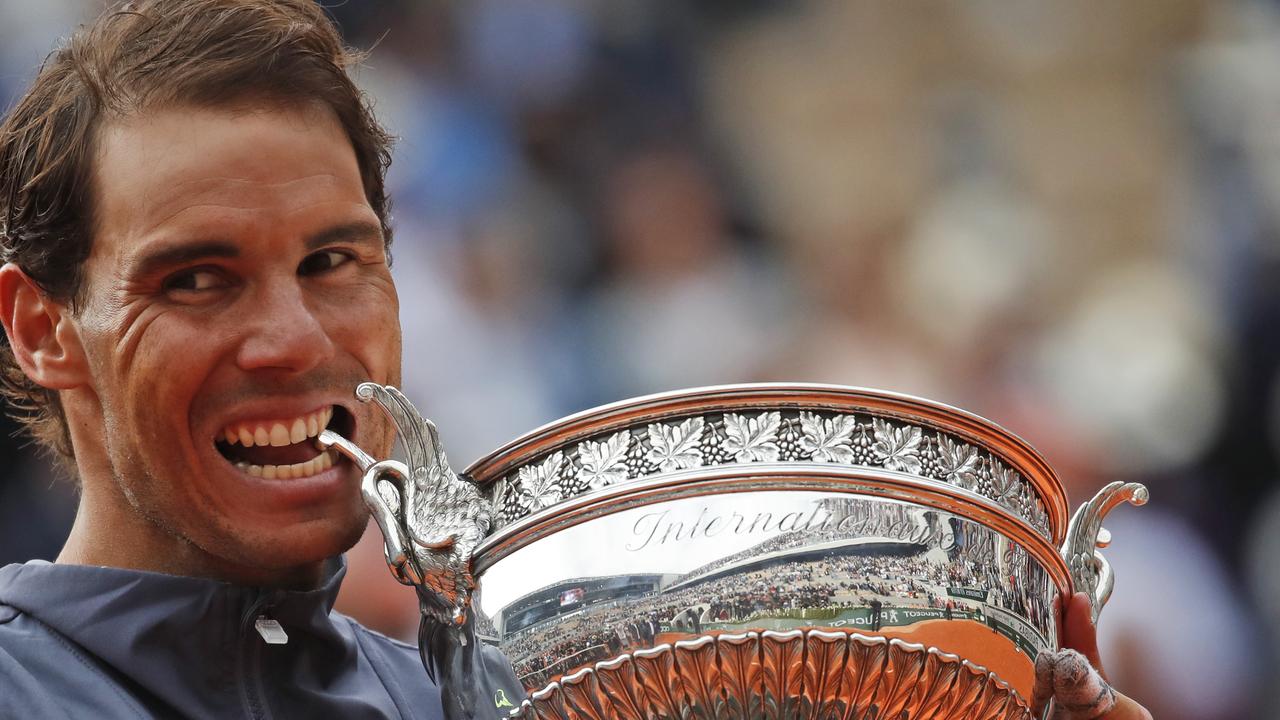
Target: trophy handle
1090,571
397,546
431,524
435,519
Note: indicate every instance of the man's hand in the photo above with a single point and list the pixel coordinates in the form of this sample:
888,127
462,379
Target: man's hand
1073,677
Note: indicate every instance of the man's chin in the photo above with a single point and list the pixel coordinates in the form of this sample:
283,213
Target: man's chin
353,535
334,540
296,558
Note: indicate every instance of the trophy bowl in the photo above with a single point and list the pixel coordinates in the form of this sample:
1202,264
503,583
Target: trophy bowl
779,551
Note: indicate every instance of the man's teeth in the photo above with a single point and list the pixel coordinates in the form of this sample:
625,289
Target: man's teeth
278,432
315,465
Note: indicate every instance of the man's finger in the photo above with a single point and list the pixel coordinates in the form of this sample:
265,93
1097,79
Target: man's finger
1127,709
1078,631
1078,691
1043,691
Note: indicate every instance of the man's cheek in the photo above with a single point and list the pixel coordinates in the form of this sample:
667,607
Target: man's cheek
395,361
375,343
159,402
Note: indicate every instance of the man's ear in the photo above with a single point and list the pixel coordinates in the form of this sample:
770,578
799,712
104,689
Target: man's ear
44,339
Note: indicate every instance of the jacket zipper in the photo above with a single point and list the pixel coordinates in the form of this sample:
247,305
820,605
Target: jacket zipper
249,657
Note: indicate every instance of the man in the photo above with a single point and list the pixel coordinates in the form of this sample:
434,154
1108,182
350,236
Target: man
194,234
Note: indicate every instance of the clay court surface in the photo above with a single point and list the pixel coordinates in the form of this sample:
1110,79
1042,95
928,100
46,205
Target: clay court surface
972,640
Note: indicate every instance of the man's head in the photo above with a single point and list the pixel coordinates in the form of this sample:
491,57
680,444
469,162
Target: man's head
147,55
193,216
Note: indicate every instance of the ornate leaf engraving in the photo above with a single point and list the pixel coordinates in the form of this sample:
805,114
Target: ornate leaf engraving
548,703
968,689
540,484
582,696
501,490
699,676
676,447
1040,518
898,448
1005,484
655,668
866,666
604,462
1023,503
937,679
814,674
907,661
620,684
957,463
770,436
828,440
825,655
782,660
752,439
743,673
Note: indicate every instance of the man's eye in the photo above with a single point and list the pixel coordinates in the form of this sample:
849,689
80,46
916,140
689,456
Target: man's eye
194,281
323,261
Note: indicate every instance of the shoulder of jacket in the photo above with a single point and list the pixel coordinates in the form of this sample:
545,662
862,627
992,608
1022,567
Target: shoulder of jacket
24,693
46,675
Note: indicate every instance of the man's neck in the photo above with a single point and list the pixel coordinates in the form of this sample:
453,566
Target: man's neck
85,546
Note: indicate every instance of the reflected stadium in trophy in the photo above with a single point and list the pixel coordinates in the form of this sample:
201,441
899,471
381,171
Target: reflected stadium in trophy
755,551
813,561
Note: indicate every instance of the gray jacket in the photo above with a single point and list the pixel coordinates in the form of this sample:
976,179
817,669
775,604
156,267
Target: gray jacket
94,642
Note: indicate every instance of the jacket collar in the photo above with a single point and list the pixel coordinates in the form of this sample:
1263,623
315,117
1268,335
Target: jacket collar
166,632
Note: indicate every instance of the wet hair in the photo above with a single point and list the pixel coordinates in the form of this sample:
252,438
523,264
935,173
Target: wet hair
138,56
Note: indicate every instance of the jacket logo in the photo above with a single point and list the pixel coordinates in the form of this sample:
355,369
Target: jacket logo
500,700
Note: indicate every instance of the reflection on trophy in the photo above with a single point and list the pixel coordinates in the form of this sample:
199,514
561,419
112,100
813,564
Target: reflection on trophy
752,551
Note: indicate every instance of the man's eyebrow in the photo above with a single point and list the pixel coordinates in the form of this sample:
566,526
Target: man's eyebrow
360,231
155,260
151,261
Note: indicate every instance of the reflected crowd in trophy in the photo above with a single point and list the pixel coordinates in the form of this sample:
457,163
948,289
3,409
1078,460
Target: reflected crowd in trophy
792,580
1062,216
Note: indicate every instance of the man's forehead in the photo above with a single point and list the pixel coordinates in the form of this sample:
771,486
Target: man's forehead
222,199
167,129
188,164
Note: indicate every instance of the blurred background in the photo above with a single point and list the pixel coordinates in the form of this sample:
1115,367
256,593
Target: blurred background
1062,215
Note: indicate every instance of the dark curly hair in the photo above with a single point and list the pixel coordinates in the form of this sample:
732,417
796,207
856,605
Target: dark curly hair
142,55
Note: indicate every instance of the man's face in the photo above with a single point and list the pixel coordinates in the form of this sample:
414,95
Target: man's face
237,292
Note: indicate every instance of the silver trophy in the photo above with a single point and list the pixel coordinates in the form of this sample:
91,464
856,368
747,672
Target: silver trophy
751,551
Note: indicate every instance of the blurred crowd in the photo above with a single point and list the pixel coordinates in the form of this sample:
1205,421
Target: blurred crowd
1064,216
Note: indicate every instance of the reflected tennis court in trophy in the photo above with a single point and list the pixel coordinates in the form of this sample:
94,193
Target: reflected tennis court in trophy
779,551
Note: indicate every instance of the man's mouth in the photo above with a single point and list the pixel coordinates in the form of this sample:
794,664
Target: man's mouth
283,449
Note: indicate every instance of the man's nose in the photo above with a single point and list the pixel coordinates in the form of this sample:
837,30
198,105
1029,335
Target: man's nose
284,332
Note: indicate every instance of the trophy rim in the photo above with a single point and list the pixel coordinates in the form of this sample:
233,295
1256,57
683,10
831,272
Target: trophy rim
978,430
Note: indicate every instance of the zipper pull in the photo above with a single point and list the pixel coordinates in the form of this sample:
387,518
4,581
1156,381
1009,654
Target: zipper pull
270,630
